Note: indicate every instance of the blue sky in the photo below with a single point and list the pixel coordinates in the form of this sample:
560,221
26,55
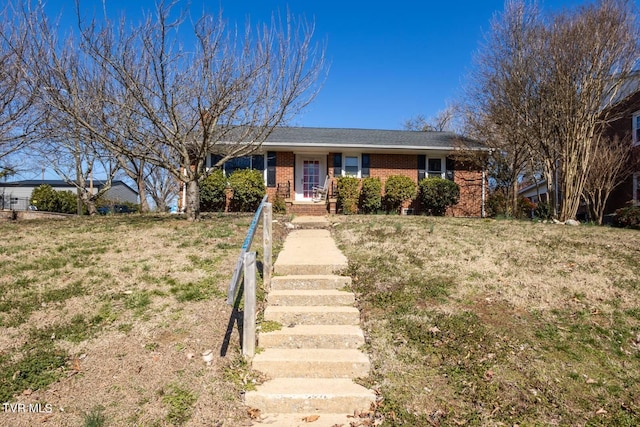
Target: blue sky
389,60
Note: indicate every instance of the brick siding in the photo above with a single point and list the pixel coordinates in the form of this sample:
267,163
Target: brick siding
383,166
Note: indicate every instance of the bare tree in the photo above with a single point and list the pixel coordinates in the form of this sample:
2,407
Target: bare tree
548,82
588,55
75,117
161,186
17,120
441,122
614,165
153,97
136,169
501,100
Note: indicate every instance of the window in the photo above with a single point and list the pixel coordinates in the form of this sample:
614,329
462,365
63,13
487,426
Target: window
245,162
636,189
271,169
451,167
356,165
337,164
636,128
434,167
366,165
256,162
351,166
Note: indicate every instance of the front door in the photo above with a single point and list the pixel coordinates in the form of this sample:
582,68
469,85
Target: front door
310,172
310,177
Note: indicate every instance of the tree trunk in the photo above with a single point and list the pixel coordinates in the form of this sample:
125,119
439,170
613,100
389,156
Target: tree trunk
193,201
90,204
80,202
515,212
142,193
161,205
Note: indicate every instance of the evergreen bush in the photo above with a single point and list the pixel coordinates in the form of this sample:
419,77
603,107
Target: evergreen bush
213,189
279,205
371,195
348,194
248,190
543,211
45,198
397,190
437,194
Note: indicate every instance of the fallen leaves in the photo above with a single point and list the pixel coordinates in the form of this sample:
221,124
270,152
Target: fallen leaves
253,413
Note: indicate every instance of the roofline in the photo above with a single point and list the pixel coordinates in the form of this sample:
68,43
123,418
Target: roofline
369,146
62,183
541,183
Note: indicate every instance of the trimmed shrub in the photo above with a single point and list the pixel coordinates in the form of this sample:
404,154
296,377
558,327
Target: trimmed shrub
213,189
45,198
279,205
397,190
68,202
348,194
627,217
437,194
371,195
248,189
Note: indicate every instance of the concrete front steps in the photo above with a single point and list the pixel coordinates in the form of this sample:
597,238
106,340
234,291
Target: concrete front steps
313,358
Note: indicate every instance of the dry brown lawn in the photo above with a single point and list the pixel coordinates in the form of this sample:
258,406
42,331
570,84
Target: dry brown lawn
484,322
468,322
103,321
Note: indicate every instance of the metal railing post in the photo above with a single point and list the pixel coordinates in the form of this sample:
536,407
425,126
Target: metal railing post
267,227
249,318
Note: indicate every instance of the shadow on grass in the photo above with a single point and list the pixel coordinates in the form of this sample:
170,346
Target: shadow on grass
236,318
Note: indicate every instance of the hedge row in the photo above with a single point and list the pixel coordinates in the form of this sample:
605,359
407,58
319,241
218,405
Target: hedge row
247,186
45,198
435,194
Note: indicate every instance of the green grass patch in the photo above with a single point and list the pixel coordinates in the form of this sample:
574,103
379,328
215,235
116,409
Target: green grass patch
270,326
39,365
179,402
95,417
202,290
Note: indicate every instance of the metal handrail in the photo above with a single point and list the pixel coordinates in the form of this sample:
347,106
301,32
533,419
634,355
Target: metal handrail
237,273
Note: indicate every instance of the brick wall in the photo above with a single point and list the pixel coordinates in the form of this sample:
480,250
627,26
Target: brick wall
468,178
386,165
470,204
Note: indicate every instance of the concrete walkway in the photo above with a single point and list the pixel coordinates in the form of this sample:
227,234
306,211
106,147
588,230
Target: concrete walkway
312,360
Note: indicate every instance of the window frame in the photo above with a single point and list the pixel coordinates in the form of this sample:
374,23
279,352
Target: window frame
358,165
425,172
432,173
363,171
265,166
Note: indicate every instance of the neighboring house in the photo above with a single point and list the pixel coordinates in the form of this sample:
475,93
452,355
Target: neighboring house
15,195
626,124
295,159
